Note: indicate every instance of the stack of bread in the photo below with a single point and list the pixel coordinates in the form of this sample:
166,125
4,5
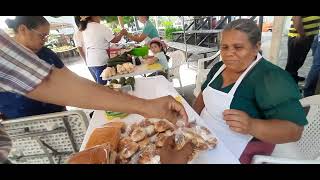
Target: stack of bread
141,142
101,147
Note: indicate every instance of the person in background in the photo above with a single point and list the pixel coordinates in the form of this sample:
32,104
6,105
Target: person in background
314,73
157,47
78,40
96,40
149,31
302,31
31,32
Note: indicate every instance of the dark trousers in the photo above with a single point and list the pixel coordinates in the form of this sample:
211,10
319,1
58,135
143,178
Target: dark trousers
96,72
314,73
298,49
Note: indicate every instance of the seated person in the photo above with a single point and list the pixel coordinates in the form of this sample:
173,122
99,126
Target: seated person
31,32
159,56
248,102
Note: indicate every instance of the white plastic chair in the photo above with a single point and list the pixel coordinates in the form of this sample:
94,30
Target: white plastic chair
307,149
202,72
46,139
177,58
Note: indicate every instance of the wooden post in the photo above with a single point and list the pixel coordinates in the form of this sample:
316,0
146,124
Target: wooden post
120,19
261,22
277,29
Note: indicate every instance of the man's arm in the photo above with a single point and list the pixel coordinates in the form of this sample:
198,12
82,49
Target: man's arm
63,87
21,71
137,38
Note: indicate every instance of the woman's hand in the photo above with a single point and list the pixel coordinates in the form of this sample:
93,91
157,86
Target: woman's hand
275,131
149,61
238,121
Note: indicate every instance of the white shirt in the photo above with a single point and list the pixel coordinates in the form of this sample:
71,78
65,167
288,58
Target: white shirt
96,39
78,39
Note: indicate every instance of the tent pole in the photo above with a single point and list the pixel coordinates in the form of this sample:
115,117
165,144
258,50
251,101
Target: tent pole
184,39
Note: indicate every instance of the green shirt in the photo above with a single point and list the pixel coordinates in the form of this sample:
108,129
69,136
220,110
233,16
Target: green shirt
150,30
162,60
267,92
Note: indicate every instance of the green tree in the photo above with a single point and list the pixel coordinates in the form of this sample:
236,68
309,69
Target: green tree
114,19
169,29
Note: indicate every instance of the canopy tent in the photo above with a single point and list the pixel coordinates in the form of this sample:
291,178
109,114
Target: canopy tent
62,24
59,25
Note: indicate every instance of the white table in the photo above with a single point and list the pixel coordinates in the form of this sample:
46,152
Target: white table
158,86
138,70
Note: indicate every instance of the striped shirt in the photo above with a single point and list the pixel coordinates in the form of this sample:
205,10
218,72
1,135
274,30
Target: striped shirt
20,72
310,25
20,69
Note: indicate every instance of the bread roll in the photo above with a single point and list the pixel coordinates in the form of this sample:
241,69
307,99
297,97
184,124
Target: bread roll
103,135
101,154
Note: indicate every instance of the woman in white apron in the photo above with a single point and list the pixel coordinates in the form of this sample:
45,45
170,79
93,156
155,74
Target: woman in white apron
249,103
96,40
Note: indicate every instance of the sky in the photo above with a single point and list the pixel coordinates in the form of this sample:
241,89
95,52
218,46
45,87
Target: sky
66,19
2,21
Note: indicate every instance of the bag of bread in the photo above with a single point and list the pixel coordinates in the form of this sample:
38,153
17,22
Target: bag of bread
117,124
107,134
101,154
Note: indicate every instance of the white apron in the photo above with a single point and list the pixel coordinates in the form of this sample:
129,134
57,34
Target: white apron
215,103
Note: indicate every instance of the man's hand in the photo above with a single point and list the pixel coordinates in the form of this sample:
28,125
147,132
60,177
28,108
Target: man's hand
165,107
170,155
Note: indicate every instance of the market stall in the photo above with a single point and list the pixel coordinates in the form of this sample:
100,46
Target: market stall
128,62
61,39
154,87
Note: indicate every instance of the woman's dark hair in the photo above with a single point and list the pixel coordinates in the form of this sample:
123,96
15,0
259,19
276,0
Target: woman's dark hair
247,26
31,22
83,24
162,49
77,20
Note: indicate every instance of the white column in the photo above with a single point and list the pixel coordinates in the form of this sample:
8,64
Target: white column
277,30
